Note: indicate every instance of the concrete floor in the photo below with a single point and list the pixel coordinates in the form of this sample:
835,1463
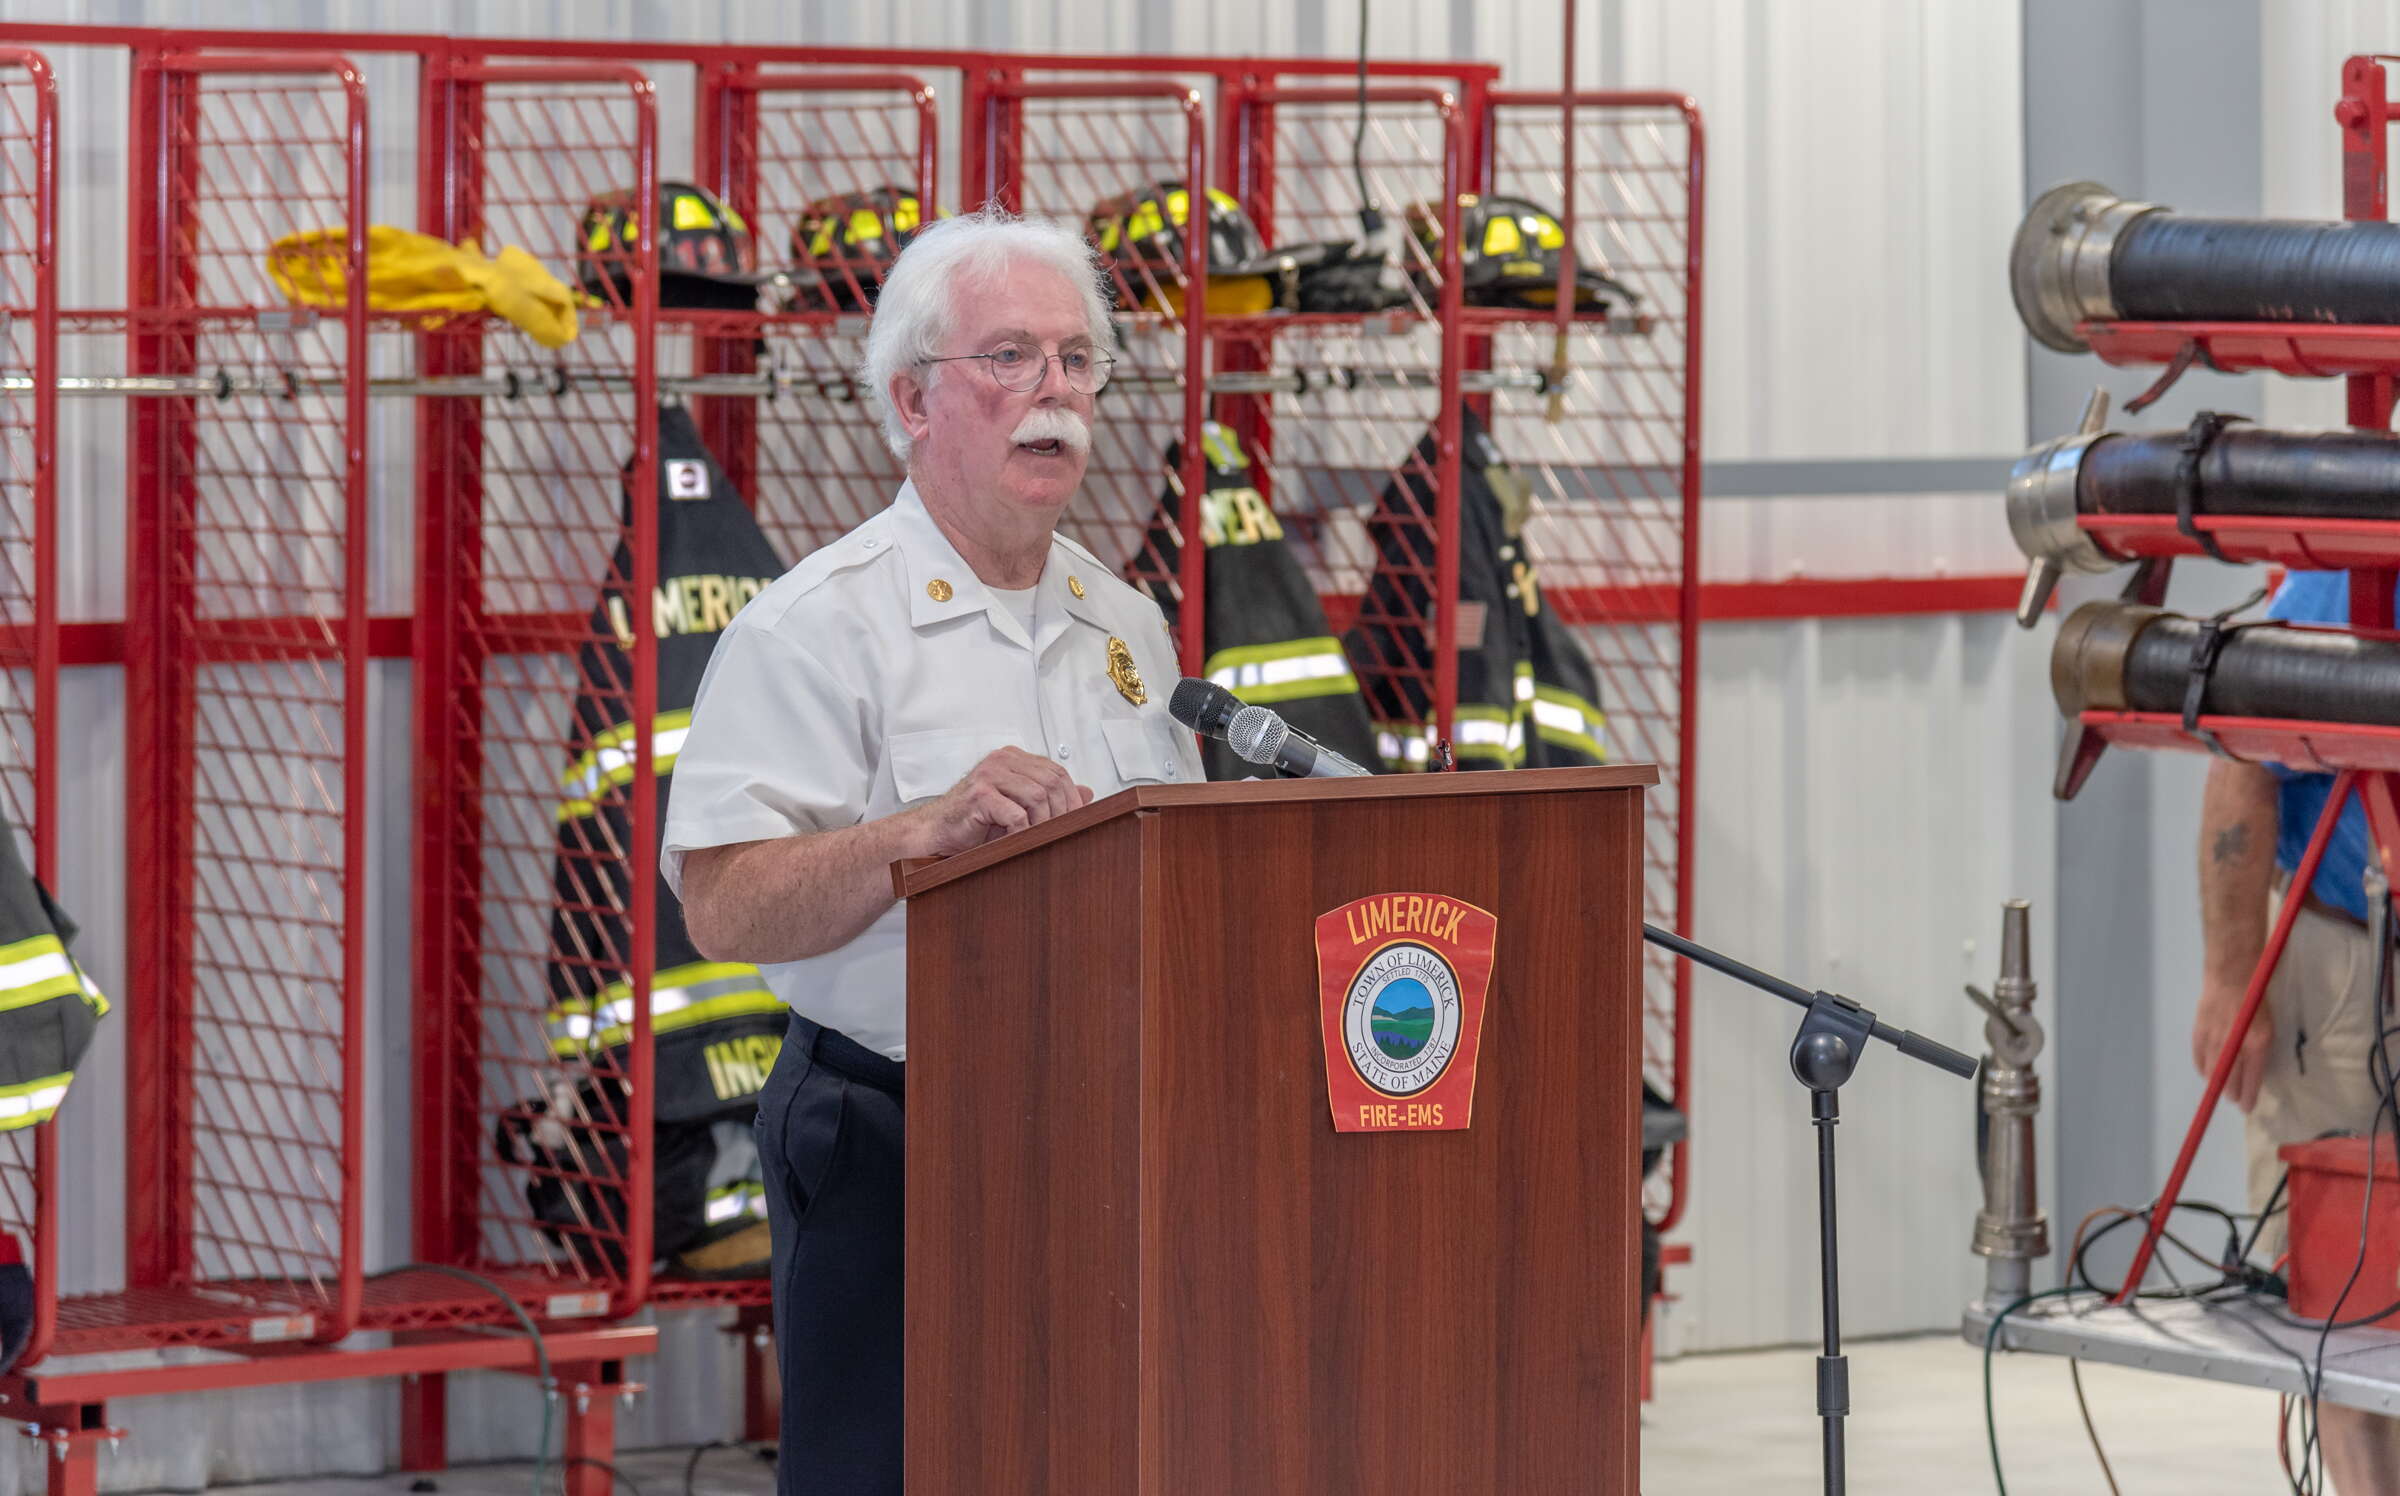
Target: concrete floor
1747,1423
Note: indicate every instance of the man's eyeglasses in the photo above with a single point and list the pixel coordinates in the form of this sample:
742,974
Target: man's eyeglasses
1019,367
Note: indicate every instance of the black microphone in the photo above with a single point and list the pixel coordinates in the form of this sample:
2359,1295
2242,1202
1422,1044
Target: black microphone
1259,736
1203,706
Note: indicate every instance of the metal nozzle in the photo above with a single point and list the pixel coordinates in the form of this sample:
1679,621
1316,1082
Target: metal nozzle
2058,267
2011,1230
2016,949
2043,506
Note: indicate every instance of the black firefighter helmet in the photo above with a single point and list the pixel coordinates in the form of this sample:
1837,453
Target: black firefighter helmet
1142,231
1508,256
706,255
843,246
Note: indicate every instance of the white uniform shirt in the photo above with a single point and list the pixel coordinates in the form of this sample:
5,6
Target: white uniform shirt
869,679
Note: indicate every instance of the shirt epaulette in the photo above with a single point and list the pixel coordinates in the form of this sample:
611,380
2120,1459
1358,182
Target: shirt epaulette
1102,576
860,548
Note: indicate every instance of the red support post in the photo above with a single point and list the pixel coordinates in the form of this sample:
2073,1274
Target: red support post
589,1391
2364,115
161,442
425,1421
725,145
1246,151
1444,727
449,692
32,1184
762,1383
1687,633
71,1452
641,855
357,535
1191,617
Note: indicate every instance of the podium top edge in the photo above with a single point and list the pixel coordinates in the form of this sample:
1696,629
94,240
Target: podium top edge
922,875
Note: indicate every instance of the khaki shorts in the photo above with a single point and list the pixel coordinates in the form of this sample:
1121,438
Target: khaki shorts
2316,1079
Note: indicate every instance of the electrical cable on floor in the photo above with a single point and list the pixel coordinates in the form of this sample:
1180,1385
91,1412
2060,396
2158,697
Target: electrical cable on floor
765,1454
1991,1338
2075,1367
547,1383
2075,1375
616,1477
2284,1403
541,1352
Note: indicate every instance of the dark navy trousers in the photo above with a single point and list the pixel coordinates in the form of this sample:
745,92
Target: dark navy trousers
830,1146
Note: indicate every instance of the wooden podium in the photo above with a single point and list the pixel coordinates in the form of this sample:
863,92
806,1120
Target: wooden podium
1140,1256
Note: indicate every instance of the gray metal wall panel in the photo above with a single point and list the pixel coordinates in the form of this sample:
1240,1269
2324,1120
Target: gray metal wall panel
2181,125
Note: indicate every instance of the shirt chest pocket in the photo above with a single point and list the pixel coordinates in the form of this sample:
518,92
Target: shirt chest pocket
1144,749
926,764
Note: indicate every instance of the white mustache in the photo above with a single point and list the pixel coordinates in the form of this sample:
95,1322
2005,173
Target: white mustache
1052,423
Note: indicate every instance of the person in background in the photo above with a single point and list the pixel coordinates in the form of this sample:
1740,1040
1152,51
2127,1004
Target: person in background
2302,1071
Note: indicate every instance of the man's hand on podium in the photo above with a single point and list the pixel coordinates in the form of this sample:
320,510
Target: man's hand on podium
1008,791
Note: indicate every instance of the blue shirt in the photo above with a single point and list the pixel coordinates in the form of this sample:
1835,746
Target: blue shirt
2320,597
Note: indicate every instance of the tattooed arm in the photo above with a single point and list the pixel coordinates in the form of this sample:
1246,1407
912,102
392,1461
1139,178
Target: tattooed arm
2237,865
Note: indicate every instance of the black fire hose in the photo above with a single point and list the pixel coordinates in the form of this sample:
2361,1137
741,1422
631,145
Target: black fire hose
2244,470
2216,466
2083,254
2113,656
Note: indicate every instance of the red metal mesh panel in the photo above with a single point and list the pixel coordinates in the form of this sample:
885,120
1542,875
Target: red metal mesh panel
27,292
818,146
259,596
1612,475
1319,158
552,517
24,286
822,467
1073,155
1346,460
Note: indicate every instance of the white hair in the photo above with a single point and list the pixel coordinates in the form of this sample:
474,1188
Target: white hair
914,310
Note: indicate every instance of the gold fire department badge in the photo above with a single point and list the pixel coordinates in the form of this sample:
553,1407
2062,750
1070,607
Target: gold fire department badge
1121,673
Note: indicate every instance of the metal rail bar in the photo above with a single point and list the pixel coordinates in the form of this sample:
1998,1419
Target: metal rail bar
1297,380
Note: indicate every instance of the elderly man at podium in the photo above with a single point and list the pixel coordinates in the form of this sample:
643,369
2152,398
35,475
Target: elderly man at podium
950,671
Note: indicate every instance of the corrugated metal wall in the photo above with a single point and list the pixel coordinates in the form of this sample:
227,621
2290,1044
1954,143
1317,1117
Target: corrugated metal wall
1870,789
2301,67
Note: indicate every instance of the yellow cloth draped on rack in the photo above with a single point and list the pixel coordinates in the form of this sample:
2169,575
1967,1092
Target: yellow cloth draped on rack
412,272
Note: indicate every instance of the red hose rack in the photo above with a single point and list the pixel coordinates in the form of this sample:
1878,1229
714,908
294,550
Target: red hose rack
2365,759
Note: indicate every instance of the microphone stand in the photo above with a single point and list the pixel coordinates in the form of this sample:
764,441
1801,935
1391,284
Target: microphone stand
1832,1037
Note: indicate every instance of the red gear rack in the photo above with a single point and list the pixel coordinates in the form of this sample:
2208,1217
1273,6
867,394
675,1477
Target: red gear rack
255,522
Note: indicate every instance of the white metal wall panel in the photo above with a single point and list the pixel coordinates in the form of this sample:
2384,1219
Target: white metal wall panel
1870,792
2304,45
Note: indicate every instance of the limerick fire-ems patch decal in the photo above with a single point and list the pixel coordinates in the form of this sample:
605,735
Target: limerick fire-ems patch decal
1401,980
